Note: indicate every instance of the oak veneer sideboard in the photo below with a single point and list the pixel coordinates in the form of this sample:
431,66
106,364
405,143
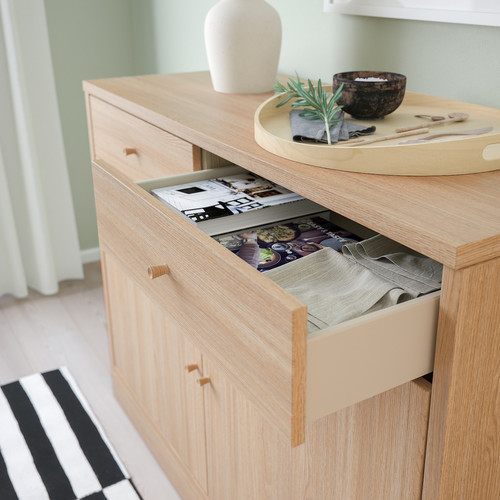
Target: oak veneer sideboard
223,387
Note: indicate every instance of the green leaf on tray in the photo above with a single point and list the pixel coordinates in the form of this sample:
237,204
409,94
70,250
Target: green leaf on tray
318,104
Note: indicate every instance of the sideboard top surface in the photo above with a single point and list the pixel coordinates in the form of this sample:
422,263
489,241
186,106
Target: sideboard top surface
453,219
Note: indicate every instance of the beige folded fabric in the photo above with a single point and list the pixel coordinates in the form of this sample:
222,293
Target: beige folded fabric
335,289
405,268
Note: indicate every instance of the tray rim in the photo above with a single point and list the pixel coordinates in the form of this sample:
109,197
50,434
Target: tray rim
387,158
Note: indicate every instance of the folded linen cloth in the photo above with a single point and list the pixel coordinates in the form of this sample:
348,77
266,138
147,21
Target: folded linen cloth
396,263
334,288
305,130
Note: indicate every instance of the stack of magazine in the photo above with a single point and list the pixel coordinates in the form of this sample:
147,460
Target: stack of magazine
243,211
285,241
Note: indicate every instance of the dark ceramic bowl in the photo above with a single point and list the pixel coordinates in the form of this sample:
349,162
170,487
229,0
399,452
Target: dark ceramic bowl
370,99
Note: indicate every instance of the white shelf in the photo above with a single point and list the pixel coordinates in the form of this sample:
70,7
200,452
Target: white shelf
480,12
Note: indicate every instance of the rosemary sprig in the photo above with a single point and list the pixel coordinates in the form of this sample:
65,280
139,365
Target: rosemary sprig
318,104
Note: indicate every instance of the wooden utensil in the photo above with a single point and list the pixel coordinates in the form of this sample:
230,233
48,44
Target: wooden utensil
453,117
434,118
477,131
362,141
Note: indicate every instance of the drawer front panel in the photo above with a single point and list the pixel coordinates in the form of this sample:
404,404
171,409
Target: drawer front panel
254,330
137,148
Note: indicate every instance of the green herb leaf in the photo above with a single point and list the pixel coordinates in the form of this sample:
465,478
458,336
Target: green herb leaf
318,104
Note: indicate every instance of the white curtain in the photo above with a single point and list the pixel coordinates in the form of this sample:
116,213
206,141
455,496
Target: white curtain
38,238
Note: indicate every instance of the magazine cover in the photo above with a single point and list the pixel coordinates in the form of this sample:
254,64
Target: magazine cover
229,195
271,246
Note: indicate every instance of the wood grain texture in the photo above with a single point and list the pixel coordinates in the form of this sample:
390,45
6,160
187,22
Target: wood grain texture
453,219
208,291
463,459
373,450
338,373
137,148
149,365
178,473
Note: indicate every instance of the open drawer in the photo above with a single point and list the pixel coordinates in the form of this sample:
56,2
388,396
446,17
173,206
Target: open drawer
251,328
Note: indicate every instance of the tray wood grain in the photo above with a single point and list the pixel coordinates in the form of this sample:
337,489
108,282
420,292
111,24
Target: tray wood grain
445,156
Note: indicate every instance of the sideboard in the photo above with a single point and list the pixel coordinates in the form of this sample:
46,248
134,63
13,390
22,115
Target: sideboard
211,359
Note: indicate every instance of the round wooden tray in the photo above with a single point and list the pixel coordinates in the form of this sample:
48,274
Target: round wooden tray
446,156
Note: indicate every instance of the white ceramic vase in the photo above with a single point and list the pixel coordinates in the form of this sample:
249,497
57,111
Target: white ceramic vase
243,43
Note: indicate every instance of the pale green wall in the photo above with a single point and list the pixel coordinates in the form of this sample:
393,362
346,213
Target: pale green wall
450,60
99,38
88,39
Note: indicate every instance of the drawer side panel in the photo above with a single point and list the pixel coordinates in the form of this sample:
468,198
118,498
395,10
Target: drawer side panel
386,349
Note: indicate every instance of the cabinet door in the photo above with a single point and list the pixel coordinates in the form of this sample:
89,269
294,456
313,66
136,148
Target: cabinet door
150,359
374,449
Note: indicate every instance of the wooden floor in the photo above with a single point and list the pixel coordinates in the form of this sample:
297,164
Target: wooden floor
41,333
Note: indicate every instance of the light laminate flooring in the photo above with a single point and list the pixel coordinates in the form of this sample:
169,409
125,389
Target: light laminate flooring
40,333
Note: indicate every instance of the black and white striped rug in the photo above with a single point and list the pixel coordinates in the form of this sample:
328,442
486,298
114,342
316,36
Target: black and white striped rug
52,447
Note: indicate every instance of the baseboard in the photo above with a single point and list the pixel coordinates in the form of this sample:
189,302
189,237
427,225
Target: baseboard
90,255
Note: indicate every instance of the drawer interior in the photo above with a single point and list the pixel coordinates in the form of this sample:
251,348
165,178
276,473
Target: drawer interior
386,348
327,370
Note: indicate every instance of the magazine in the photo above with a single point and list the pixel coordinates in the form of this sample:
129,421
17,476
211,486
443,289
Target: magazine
210,202
270,246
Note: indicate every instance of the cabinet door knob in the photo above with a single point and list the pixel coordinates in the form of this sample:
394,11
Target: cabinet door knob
203,381
191,368
157,271
129,151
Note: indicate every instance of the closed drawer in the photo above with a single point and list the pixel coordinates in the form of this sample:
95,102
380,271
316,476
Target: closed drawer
135,147
254,330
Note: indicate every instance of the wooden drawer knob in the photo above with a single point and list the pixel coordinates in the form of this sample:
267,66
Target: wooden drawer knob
129,151
204,381
191,368
157,271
